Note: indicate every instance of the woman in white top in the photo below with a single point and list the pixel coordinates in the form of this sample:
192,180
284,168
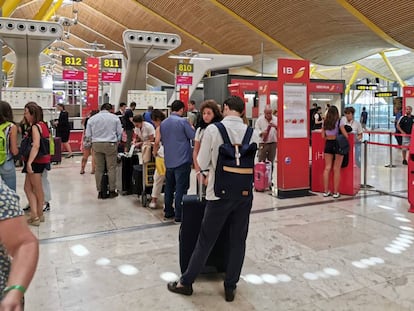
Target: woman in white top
210,113
157,117
144,136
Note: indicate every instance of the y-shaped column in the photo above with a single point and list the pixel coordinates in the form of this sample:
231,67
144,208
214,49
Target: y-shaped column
142,47
28,38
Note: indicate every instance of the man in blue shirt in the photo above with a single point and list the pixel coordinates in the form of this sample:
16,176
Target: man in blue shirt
176,136
105,130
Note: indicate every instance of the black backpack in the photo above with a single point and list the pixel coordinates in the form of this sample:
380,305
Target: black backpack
235,163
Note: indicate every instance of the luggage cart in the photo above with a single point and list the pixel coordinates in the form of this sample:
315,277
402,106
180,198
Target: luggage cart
148,170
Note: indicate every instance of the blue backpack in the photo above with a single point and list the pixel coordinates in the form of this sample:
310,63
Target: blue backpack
235,163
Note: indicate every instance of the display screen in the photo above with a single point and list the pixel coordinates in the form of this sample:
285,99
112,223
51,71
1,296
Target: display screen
181,67
111,63
73,61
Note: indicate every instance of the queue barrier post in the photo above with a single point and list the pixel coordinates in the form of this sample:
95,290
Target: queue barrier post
365,185
390,151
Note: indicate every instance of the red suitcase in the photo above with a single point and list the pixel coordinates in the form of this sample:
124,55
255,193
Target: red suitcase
261,177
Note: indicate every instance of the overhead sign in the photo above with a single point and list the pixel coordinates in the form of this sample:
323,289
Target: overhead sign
73,75
184,80
92,85
112,63
326,87
73,61
366,87
293,71
107,76
181,67
386,94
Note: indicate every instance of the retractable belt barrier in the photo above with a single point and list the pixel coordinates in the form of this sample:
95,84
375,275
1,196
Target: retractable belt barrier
390,165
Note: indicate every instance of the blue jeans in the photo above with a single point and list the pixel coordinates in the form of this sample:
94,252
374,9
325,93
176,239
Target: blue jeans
8,174
177,180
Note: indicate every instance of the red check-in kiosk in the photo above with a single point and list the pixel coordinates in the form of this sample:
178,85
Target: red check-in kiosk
410,178
293,128
350,181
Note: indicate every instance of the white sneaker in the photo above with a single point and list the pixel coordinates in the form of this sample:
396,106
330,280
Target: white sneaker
152,205
326,194
336,195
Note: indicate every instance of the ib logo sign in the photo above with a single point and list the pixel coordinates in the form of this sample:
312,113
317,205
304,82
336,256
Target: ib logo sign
296,75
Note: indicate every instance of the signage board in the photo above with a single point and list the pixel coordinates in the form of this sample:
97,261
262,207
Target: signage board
73,75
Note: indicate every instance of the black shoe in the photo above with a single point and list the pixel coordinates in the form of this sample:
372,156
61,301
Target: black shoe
100,195
405,162
46,207
229,294
27,208
185,290
113,194
169,217
69,156
177,220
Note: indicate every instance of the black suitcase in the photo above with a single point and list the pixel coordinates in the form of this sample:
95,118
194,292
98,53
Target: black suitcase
192,216
137,186
105,185
127,173
57,157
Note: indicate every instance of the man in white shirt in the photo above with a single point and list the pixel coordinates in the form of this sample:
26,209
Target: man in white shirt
266,128
105,130
234,213
348,119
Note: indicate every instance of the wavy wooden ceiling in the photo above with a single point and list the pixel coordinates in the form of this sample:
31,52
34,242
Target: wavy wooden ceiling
327,32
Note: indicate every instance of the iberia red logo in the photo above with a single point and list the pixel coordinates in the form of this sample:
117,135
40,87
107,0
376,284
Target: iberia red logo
300,73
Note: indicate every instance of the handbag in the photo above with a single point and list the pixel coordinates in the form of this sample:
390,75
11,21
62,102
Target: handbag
160,166
343,144
27,142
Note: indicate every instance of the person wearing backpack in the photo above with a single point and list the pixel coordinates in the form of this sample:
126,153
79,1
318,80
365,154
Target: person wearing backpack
8,145
404,125
226,204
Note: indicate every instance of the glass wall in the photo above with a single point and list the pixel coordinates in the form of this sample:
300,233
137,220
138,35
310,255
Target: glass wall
380,110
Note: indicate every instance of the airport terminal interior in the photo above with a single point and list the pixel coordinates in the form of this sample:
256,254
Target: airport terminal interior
304,252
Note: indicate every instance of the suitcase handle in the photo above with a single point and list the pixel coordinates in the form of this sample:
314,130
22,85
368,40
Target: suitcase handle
200,185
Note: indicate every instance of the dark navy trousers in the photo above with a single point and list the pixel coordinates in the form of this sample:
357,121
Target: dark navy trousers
215,216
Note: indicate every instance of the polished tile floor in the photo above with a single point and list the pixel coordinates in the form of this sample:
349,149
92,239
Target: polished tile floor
309,253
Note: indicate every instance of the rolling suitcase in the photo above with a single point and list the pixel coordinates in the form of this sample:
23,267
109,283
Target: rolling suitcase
57,157
192,216
127,164
105,185
137,185
261,177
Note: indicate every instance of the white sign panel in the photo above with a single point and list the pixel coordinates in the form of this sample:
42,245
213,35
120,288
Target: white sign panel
18,97
295,111
157,99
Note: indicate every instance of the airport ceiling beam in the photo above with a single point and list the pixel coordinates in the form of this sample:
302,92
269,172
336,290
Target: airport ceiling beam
255,29
353,78
374,73
199,41
391,67
43,10
8,7
52,10
374,28
354,99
